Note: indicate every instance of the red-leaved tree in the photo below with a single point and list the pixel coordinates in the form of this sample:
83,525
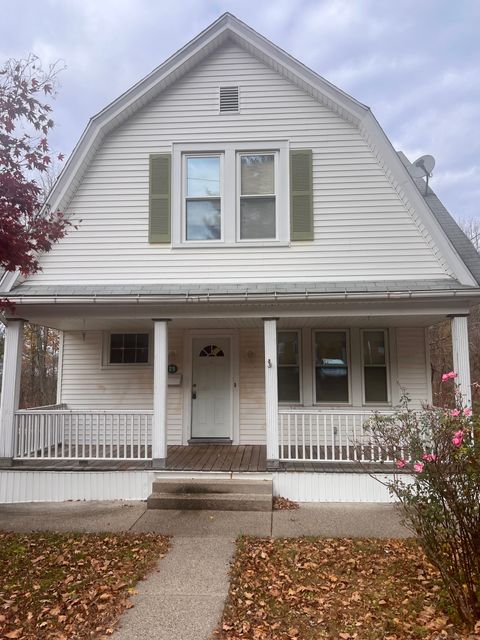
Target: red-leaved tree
27,227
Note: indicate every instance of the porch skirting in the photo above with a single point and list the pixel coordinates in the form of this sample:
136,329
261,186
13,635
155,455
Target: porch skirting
57,486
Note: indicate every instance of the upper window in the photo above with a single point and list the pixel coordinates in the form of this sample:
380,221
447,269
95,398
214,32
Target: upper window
230,193
331,367
128,348
257,196
203,202
375,370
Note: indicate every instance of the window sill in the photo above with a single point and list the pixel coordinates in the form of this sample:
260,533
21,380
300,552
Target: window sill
232,245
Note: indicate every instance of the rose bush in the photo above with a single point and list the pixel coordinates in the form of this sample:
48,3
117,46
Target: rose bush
440,497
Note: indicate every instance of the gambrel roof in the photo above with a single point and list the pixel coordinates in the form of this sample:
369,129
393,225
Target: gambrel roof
451,243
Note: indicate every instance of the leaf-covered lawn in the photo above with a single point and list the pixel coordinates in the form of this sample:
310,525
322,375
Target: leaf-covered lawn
67,586
340,589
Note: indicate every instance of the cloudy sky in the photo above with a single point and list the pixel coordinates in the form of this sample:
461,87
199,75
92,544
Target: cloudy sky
416,63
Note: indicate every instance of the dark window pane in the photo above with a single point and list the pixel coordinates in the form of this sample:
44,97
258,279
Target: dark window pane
376,384
287,348
142,340
288,384
331,348
129,341
129,355
116,340
257,218
142,355
331,384
374,347
116,355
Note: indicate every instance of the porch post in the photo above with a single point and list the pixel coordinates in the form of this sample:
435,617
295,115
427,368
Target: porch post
271,391
12,369
160,381
461,357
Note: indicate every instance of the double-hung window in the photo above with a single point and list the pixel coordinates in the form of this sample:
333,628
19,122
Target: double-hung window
331,367
203,200
230,194
128,348
288,363
257,196
375,367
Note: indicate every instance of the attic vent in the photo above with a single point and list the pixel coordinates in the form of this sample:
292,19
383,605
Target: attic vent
228,99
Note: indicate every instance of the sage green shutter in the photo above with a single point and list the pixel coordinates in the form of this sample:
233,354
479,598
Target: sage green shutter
160,198
301,194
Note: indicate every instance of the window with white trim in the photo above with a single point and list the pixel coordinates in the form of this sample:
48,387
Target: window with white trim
375,366
257,210
128,348
288,366
230,194
331,361
203,200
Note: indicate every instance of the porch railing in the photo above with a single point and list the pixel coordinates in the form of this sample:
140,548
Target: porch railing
83,435
326,436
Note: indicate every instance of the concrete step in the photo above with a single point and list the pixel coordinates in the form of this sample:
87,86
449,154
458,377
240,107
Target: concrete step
211,501
209,485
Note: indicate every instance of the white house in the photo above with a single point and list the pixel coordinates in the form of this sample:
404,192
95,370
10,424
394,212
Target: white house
253,269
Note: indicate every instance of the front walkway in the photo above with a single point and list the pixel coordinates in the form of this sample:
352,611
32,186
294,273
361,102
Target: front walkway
184,598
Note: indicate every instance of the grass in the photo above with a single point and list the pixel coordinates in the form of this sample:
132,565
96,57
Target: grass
69,586
314,588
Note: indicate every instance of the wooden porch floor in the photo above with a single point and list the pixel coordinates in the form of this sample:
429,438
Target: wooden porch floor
202,457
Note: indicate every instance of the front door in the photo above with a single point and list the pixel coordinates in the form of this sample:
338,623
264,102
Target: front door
211,388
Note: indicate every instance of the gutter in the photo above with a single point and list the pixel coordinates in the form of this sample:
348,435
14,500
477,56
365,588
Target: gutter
246,296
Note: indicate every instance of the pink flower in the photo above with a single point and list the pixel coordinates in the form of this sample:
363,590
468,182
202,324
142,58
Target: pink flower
455,413
429,457
457,438
467,412
400,464
418,466
449,376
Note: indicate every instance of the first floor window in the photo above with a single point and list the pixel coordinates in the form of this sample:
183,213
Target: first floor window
288,365
257,196
374,357
331,367
203,203
131,348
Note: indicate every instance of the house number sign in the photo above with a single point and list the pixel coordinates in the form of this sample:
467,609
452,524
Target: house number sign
172,368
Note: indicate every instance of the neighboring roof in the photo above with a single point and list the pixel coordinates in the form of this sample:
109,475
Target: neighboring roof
242,289
457,237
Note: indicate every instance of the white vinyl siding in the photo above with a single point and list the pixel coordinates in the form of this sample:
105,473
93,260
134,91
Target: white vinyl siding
88,385
362,227
252,387
413,372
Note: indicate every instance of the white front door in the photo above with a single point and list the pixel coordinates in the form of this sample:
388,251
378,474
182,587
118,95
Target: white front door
211,388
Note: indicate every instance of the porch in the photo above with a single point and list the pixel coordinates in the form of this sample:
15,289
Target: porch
291,391
211,458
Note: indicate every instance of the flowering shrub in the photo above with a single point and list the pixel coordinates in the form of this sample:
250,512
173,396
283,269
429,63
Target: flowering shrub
440,497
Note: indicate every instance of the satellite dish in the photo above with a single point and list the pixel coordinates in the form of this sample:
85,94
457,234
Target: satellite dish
422,168
424,165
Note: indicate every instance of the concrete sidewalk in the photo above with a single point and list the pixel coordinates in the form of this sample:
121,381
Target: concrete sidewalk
324,519
184,598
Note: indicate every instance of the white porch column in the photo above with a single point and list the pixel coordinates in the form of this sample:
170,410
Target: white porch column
461,357
160,381
12,369
271,391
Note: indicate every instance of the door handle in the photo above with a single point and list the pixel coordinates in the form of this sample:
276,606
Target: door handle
194,395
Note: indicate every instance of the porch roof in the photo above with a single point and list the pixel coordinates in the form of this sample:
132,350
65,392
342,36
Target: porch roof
280,289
